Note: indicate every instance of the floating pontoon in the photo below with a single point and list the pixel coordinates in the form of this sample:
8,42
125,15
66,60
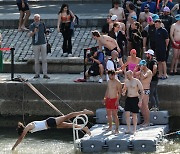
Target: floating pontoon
145,139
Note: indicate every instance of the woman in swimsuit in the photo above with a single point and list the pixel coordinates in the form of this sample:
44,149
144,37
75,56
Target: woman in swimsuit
51,122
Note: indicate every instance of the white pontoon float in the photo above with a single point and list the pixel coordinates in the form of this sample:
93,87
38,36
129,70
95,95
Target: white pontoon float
146,139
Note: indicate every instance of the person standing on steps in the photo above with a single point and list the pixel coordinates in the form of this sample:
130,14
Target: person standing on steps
25,13
65,19
38,32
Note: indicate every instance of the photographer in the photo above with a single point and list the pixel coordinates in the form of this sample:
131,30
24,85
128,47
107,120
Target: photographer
38,32
97,67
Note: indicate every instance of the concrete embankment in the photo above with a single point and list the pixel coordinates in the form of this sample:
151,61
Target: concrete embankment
17,98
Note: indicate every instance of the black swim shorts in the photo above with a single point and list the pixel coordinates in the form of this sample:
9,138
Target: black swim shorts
23,8
51,122
131,104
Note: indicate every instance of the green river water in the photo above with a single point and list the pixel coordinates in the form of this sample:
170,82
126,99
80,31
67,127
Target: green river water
61,142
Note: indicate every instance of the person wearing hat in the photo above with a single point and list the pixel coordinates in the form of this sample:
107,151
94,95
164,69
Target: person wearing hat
165,3
118,11
161,44
167,21
145,76
175,38
152,65
152,6
144,15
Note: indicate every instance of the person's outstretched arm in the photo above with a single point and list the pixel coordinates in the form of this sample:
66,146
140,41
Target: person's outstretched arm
25,131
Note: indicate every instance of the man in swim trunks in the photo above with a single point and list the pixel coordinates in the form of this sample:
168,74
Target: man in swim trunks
133,100
111,100
52,122
145,75
175,38
106,41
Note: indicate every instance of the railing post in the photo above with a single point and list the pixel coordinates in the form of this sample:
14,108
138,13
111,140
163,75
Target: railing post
12,63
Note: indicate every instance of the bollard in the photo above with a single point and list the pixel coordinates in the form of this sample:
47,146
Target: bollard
12,64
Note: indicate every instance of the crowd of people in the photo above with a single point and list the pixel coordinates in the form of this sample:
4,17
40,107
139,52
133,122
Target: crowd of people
135,42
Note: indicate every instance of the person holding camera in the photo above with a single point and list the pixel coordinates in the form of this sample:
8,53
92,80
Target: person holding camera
37,32
97,67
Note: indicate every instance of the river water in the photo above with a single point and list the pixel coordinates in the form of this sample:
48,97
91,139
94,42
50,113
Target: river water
61,142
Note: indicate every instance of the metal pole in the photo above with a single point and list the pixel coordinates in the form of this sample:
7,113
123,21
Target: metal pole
12,63
85,63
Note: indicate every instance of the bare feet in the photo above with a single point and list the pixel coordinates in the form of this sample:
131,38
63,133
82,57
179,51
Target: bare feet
128,132
145,125
109,129
116,132
86,129
88,112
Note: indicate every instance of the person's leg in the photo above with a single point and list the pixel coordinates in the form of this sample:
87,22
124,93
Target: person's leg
36,49
176,59
72,115
69,47
156,95
101,70
26,17
134,116
44,58
109,118
64,47
160,69
116,120
152,92
21,20
164,68
127,114
70,125
145,109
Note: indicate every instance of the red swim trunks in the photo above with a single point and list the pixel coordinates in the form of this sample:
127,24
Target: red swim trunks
110,103
176,47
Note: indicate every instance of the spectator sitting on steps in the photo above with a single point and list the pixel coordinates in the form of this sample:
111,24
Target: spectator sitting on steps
97,67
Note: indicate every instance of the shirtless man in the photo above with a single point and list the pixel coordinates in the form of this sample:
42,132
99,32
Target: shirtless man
106,41
144,15
111,100
145,75
133,100
175,38
116,10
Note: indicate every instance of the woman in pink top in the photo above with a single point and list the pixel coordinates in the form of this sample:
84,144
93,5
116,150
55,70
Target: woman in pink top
132,61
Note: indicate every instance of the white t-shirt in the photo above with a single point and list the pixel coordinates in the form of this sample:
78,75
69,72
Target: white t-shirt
110,66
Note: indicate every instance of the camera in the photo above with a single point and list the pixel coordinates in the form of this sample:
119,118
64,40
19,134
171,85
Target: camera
91,52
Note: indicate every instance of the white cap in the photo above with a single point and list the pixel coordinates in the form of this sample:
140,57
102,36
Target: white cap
150,51
114,17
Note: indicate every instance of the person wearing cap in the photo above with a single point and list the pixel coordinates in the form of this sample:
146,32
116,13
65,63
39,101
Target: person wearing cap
132,61
149,33
116,10
135,93
175,38
161,44
144,15
152,65
166,19
145,76
152,6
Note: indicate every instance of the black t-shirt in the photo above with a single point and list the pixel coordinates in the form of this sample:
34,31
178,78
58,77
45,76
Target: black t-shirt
105,28
167,21
150,65
150,31
160,36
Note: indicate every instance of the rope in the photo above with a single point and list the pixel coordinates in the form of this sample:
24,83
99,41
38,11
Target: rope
61,99
176,132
